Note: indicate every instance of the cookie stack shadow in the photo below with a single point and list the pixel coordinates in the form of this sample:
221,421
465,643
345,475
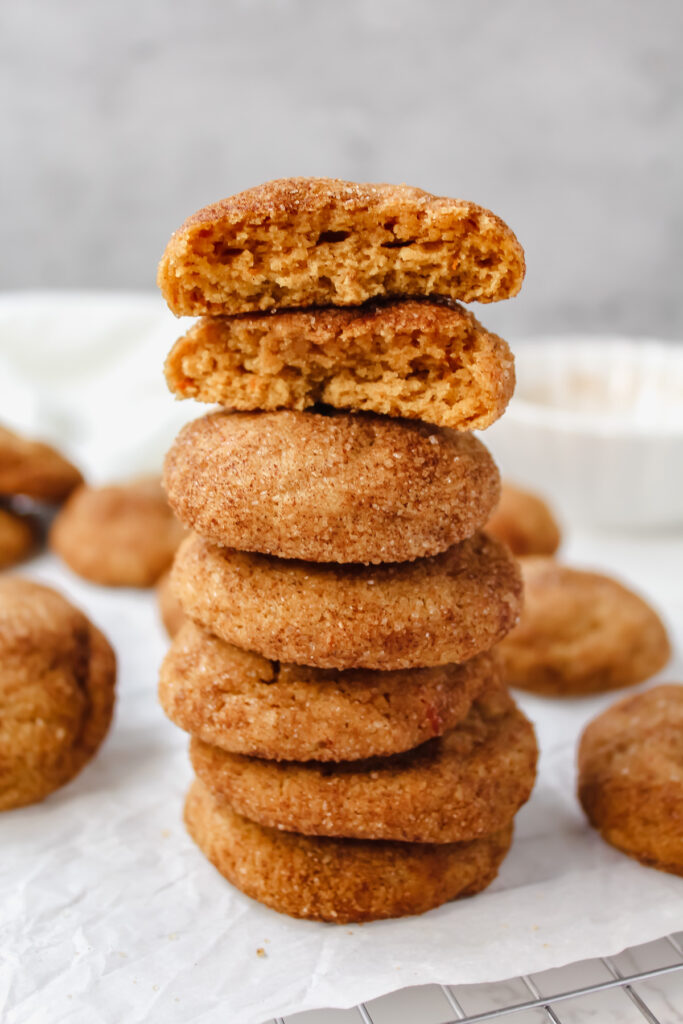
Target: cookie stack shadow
357,754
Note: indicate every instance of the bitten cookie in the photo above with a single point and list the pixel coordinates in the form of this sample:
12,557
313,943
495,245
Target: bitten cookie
429,612
18,537
631,776
466,784
422,360
524,522
57,675
123,535
329,488
580,633
338,880
324,242
34,469
170,612
243,703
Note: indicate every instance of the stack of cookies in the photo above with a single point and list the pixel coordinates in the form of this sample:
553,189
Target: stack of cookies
357,753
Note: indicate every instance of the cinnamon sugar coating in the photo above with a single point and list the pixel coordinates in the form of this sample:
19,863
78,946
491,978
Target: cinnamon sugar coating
299,242
329,488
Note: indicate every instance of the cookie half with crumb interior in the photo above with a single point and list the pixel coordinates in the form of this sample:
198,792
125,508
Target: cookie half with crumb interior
421,360
299,242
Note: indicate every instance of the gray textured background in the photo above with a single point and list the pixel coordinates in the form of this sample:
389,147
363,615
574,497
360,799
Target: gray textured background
119,119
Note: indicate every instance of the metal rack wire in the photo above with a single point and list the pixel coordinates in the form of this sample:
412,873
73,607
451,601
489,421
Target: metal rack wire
633,977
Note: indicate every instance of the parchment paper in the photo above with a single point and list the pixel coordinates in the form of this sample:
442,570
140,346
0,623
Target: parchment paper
108,913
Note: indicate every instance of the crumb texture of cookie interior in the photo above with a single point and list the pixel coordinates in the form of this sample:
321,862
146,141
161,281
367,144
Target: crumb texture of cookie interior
342,487
119,535
581,633
420,360
338,880
57,675
241,702
524,522
463,785
432,611
301,242
631,776
18,537
34,469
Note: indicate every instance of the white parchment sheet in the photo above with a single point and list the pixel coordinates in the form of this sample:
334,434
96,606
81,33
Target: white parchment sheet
109,913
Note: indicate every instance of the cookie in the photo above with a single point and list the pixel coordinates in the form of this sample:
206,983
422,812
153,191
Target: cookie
57,675
243,703
463,785
329,488
421,360
34,469
580,633
429,612
338,880
18,537
325,242
122,535
524,522
631,776
171,613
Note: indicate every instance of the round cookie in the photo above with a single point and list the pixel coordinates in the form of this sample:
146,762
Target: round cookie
123,535
423,360
34,469
343,881
300,242
429,612
57,675
466,784
580,633
524,522
329,488
631,776
243,703
172,615
18,537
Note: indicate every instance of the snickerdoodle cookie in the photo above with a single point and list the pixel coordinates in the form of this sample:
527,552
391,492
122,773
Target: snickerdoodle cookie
172,615
341,487
631,776
34,469
57,675
418,359
244,703
463,785
325,242
18,537
338,880
524,522
428,612
122,535
580,633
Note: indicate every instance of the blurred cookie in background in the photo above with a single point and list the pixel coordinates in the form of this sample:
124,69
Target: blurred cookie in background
580,633
57,677
34,469
119,535
19,535
524,522
170,609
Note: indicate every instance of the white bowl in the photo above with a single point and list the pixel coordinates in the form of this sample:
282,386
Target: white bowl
596,425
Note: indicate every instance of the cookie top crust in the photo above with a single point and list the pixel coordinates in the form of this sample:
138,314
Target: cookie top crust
34,469
630,766
120,535
57,675
338,880
245,704
329,488
299,242
580,633
432,611
466,784
524,522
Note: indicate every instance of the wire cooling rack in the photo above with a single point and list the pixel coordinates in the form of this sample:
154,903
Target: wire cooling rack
644,983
